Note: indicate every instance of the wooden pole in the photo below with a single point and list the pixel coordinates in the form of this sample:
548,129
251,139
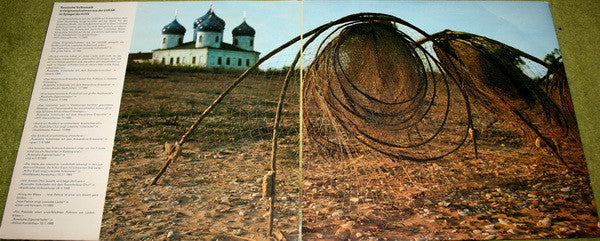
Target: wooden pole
276,125
276,122
314,32
208,109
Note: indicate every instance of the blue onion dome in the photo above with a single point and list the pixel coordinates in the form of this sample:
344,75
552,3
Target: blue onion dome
173,28
243,30
202,19
212,24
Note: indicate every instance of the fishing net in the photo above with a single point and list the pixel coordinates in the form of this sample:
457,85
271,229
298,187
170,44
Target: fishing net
375,104
369,89
557,88
378,106
492,79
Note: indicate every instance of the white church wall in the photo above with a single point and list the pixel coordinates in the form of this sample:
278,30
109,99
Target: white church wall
231,59
190,57
200,55
208,39
244,42
170,40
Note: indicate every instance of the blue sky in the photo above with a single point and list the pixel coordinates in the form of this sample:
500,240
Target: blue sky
525,25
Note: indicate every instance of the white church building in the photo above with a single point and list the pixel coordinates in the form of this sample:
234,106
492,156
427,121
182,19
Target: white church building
207,49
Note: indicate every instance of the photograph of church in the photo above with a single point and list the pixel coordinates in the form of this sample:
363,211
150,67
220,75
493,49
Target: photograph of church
207,48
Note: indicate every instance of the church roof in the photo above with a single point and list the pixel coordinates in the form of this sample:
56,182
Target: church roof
192,45
243,30
201,19
173,28
212,23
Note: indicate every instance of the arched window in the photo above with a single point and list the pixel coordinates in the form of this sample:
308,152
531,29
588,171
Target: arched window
180,41
162,61
199,38
251,42
239,62
247,62
171,61
194,60
216,39
164,40
235,42
177,60
219,61
228,61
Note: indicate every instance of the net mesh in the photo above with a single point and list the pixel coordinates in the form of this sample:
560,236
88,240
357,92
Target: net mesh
410,138
370,89
492,76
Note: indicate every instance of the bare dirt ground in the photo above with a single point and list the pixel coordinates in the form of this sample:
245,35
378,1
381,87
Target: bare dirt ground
213,191
512,191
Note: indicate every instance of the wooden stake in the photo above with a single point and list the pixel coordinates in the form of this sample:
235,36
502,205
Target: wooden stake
272,199
284,87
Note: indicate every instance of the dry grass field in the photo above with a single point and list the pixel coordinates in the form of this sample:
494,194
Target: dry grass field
213,191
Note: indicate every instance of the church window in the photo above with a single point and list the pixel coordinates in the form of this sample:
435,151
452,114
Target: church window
239,62
228,61
247,62
199,38
162,61
164,40
251,42
216,39
171,61
177,60
235,42
180,41
194,60
219,61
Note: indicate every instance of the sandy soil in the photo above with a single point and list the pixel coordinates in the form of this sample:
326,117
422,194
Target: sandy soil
213,191
512,191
